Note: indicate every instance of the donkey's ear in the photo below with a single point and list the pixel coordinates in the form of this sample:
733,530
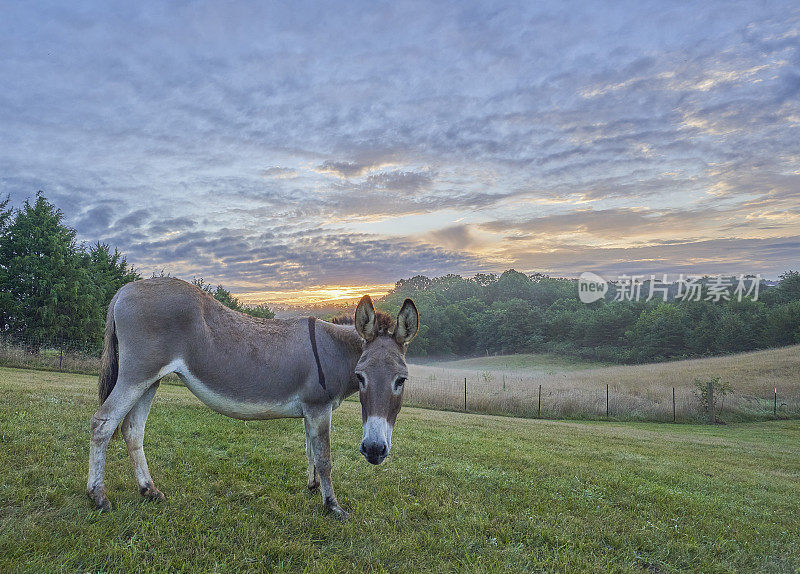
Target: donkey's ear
366,323
407,323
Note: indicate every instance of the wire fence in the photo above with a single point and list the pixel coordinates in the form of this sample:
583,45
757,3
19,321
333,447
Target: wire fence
572,395
49,354
603,393
545,399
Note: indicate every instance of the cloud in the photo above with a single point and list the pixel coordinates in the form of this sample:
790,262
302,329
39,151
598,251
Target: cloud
456,237
397,180
280,173
583,127
296,259
732,255
95,220
171,225
616,224
344,169
133,220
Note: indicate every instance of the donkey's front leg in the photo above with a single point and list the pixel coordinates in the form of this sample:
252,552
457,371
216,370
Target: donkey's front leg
313,475
318,423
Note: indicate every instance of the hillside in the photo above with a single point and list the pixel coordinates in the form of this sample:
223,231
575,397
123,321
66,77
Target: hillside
511,384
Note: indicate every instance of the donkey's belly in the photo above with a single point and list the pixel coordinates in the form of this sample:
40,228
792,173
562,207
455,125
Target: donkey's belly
233,406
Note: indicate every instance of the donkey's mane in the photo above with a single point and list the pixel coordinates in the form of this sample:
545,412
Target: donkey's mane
383,319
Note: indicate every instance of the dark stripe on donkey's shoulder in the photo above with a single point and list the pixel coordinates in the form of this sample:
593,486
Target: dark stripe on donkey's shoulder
312,333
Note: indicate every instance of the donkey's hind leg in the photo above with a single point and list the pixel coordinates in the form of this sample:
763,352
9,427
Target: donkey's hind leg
133,432
104,423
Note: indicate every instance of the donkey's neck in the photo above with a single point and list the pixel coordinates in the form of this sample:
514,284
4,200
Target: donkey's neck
350,345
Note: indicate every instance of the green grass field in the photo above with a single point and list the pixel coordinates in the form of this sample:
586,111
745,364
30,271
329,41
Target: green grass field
459,493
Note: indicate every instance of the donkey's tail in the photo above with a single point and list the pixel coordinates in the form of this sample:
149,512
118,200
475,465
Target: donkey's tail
109,363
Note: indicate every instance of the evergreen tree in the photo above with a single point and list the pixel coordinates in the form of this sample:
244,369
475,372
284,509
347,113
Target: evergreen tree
6,300
109,271
49,293
261,311
231,301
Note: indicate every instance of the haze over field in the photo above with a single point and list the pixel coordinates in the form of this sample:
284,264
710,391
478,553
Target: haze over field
306,153
509,384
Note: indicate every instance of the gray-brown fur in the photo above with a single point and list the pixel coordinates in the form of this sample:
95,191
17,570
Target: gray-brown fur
241,366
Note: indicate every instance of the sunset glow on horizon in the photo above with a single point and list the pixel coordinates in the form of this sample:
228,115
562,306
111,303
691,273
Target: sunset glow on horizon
314,295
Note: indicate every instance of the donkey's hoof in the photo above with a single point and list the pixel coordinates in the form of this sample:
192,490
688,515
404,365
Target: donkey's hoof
338,512
100,500
313,486
150,492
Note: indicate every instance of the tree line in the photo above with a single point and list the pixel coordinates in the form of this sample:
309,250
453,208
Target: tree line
54,291
519,313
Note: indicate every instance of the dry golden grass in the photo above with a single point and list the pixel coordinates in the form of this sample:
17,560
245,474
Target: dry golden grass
635,391
48,359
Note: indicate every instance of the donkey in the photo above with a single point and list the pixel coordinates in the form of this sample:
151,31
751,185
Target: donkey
247,368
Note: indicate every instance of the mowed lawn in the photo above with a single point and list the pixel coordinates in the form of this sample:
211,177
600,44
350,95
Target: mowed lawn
459,493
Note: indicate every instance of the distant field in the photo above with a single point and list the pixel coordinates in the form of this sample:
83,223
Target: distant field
530,363
460,493
574,388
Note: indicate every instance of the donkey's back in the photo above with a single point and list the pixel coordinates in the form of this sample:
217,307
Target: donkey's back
228,359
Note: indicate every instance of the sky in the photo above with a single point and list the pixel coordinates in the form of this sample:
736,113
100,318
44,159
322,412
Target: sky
307,151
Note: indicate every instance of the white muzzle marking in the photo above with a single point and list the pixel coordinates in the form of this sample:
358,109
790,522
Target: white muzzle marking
377,433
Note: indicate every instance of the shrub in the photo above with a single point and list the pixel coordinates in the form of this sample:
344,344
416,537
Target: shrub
721,389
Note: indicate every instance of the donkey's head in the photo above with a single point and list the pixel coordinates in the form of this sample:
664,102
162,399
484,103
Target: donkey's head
382,372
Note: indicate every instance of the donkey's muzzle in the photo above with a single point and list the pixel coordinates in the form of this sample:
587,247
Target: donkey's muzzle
374,452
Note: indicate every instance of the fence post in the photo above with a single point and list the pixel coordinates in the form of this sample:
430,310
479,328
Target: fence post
539,411
465,394
673,404
61,357
775,404
712,419
608,411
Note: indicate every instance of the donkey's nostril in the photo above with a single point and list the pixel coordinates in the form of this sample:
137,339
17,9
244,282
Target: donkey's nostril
374,452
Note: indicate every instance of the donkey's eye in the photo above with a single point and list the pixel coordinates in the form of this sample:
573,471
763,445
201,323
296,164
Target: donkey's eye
398,384
362,382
